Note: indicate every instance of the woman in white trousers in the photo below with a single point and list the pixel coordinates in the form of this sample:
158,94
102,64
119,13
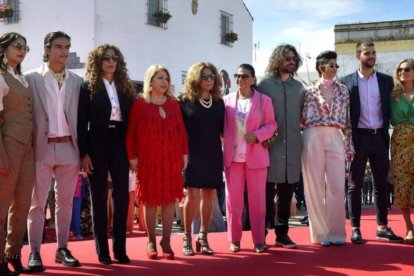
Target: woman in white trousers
326,143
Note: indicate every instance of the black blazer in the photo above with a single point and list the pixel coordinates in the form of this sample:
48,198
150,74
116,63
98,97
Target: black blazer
385,84
94,114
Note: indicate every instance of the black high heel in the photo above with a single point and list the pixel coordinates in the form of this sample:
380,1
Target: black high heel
16,261
187,244
202,244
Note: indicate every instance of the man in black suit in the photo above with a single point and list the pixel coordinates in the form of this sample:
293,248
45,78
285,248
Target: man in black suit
370,113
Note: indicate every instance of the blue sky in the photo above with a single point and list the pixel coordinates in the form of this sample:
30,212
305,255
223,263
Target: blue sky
309,24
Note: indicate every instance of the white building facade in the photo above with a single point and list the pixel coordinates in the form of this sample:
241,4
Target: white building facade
197,31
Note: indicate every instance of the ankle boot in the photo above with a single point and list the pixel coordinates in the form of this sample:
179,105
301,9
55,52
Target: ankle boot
202,244
187,244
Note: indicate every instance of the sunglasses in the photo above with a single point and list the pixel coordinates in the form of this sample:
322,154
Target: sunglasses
115,58
243,76
332,66
291,58
211,76
406,69
19,47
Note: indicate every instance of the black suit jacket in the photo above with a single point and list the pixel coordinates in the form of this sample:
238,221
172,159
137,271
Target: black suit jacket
385,84
94,114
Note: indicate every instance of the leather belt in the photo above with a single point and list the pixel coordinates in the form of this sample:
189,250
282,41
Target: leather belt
64,139
372,131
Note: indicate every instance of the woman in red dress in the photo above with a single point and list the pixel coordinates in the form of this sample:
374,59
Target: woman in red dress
158,152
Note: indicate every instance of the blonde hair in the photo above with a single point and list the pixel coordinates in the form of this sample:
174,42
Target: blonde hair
191,90
149,76
398,90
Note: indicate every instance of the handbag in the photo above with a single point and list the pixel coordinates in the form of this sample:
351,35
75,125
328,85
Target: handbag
268,143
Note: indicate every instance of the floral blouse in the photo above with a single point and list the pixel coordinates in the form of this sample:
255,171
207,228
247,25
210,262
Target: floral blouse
317,112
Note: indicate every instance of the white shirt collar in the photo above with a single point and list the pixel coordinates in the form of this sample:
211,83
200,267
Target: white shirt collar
361,76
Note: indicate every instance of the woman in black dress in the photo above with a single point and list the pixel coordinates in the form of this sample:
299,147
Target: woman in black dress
203,112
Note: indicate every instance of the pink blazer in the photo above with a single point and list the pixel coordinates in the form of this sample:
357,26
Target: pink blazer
260,121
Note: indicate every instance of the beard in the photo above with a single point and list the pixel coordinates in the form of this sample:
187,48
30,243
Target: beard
369,63
290,69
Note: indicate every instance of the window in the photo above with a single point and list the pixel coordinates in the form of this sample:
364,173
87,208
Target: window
226,25
16,11
160,7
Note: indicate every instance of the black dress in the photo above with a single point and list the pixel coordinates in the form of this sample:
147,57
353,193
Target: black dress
204,128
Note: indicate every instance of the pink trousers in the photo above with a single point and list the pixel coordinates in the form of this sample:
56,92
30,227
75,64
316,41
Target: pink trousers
237,175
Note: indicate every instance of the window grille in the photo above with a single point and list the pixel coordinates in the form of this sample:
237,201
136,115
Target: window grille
226,26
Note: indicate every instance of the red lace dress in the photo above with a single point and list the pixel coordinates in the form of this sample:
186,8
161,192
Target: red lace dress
159,145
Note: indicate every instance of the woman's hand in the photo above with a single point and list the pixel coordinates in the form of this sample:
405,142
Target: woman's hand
87,164
133,165
250,138
185,159
5,165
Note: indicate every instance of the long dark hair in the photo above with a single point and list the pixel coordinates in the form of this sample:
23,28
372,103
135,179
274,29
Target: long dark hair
5,41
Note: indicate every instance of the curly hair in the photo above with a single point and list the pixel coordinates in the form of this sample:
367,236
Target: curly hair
191,90
398,90
5,41
278,56
149,75
94,72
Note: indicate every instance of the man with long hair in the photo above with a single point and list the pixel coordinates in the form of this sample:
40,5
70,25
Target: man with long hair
287,95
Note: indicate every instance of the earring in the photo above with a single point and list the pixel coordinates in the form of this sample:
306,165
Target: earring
5,60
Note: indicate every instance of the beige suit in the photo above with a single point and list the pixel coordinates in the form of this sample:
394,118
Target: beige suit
16,142
60,160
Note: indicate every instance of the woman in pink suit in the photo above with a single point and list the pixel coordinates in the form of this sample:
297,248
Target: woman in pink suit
249,120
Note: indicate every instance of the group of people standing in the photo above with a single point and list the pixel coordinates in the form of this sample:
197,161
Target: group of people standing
53,121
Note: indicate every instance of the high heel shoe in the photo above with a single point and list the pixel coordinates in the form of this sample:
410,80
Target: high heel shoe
152,251
16,262
187,244
202,244
235,246
167,252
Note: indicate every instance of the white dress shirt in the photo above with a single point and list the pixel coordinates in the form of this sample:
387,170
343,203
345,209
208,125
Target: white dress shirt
58,125
116,114
370,99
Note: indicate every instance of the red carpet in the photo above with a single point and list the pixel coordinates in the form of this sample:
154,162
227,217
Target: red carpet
372,258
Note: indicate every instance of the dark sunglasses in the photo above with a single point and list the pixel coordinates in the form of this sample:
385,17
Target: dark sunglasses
243,76
19,47
211,76
291,58
115,58
406,69
332,66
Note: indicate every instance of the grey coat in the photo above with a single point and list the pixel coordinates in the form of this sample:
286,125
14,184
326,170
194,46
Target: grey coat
285,156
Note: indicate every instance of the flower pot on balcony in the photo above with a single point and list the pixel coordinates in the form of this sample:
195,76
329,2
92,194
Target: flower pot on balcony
231,37
6,11
162,17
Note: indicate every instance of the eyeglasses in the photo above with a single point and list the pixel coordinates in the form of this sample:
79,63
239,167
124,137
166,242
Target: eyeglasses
211,76
406,69
19,47
243,76
115,58
332,66
291,58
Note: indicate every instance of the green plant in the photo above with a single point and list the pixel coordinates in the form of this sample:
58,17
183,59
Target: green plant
231,37
162,17
6,11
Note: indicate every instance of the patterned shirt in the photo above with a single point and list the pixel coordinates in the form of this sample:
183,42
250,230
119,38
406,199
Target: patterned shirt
317,112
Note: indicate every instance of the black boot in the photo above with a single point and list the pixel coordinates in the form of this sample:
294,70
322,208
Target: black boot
16,262
4,269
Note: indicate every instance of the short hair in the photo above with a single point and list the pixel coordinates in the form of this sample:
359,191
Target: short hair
50,37
5,41
323,58
250,68
363,43
149,76
191,89
278,56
